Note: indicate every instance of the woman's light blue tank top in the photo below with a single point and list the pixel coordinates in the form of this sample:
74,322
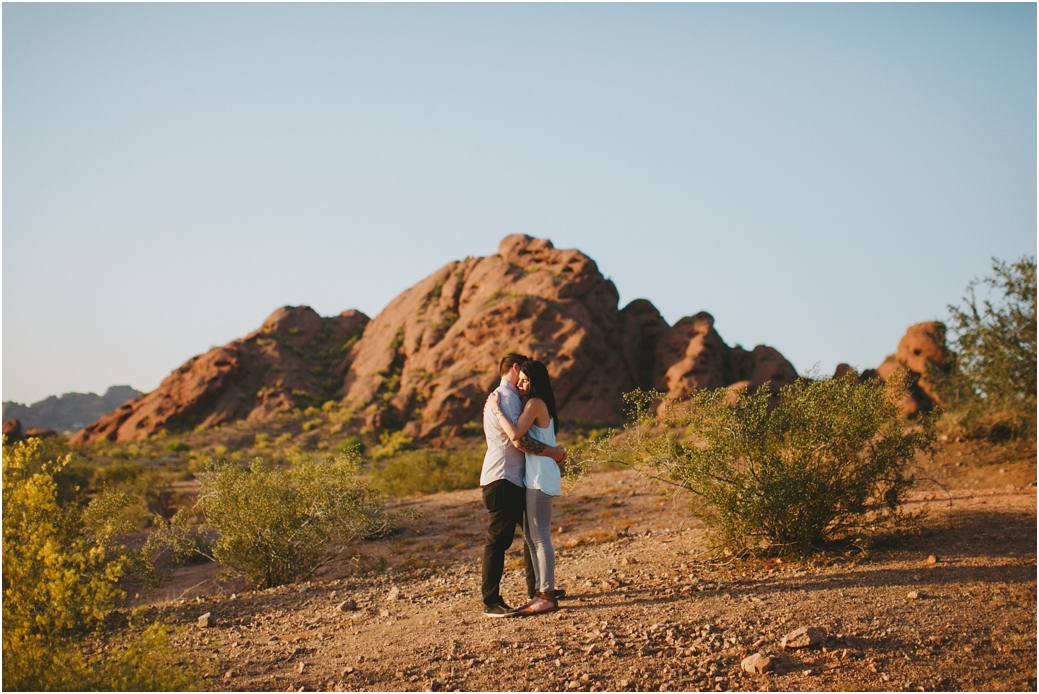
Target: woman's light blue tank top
542,472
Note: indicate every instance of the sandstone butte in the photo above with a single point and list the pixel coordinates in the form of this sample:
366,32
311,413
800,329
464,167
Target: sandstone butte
922,352
426,363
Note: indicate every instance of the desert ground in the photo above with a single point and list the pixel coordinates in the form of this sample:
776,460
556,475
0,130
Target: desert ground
650,606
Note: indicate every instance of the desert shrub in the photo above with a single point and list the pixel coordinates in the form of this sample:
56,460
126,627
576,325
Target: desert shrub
340,416
990,388
60,576
390,444
827,459
157,496
73,476
145,662
197,463
351,444
472,429
184,537
177,447
280,525
150,490
428,472
118,473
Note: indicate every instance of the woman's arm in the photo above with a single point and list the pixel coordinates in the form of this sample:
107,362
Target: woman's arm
516,431
535,447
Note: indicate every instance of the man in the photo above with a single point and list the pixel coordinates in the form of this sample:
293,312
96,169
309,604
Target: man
502,483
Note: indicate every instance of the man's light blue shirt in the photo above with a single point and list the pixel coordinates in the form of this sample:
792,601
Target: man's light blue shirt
503,460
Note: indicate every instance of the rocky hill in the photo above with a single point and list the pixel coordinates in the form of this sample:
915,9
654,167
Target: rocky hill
426,362
293,360
68,412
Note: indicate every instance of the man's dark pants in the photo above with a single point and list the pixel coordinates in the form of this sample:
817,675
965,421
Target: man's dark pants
505,502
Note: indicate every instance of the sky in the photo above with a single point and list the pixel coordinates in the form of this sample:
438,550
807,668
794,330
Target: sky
817,177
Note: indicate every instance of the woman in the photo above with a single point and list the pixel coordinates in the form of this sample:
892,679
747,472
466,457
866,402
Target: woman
542,479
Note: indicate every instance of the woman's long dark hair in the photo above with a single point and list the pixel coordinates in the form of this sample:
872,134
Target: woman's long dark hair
541,387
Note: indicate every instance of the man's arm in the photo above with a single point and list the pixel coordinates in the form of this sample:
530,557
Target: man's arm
528,444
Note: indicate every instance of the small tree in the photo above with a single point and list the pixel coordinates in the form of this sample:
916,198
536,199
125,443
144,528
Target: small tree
991,385
823,460
280,525
61,573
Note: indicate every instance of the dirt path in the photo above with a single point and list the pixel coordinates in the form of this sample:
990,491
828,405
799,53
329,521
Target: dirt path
647,611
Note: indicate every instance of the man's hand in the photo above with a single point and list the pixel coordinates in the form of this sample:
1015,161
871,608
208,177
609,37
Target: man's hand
527,444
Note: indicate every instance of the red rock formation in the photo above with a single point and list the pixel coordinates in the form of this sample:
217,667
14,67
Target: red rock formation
923,344
12,430
692,356
427,361
846,371
291,361
642,328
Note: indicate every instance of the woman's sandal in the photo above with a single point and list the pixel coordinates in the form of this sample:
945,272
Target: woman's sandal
521,609
542,603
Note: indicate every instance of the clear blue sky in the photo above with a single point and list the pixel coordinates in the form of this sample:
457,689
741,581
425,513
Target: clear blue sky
818,177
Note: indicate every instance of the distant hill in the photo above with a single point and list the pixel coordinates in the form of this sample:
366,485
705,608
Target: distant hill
69,412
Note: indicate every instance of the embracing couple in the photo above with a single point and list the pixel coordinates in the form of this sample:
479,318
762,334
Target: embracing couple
520,478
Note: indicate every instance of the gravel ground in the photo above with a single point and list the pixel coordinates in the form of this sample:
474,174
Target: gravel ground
648,608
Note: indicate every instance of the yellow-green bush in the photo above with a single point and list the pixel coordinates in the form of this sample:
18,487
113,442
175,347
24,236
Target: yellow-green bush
60,576
391,443
280,525
989,389
351,444
824,461
427,472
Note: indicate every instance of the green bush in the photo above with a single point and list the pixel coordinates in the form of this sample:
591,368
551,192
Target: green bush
145,662
280,525
472,429
990,388
73,477
118,473
177,447
390,444
351,444
428,472
823,461
61,574
184,537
